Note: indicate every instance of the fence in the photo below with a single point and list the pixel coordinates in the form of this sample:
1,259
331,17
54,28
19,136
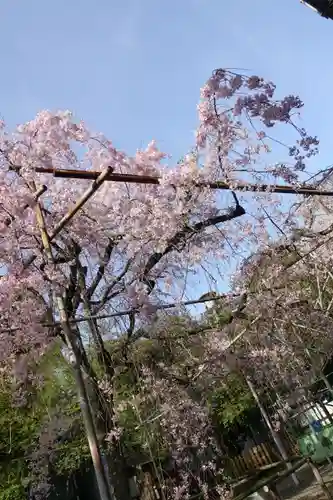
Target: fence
255,458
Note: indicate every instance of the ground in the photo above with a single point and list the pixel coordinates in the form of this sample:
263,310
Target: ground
309,488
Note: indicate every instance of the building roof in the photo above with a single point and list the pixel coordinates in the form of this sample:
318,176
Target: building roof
322,7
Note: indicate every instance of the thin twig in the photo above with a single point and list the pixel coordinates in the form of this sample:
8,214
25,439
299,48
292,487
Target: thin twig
231,343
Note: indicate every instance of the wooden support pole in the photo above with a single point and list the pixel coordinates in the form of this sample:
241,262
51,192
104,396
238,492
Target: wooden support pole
157,308
102,481
327,383
320,480
146,179
78,205
275,436
38,193
272,480
95,452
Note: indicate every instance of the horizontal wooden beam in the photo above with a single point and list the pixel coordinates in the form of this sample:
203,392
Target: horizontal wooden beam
145,179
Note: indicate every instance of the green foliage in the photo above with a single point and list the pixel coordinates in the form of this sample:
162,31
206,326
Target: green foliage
21,426
12,479
141,437
218,316
231,402
169,343
14,491
71,455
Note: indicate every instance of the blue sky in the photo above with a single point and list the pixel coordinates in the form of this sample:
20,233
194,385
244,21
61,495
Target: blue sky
133,68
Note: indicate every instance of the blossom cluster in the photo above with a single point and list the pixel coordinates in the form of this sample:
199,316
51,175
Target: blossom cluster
132,240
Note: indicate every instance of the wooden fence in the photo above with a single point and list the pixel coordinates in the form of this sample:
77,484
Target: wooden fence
255,458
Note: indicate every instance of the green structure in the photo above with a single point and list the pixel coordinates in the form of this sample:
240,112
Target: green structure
317,445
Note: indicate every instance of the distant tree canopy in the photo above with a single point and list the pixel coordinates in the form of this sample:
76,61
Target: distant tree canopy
41,433
42,438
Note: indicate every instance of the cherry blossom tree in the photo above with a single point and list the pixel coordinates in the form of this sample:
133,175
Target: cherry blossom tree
289,292
132,246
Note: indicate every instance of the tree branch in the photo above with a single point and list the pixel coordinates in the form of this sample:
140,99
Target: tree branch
101,269
107,295
71,290
180,237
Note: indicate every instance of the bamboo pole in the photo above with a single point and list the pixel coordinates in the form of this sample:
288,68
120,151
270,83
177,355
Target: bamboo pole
95,452
273,479
81,201
157,307
328,415
326,382
78,205
146,179
38,193
313,363
102,482
275,436
320,480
